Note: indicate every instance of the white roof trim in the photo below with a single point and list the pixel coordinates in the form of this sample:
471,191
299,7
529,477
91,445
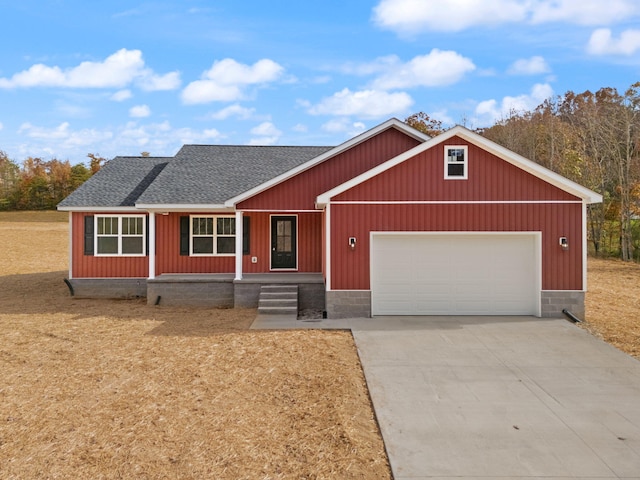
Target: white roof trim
393,122
99,209
519,161
182,207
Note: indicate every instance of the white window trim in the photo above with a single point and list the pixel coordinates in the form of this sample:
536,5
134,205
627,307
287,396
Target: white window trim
465,164
214,236
120,236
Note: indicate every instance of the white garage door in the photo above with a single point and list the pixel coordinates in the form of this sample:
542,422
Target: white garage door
462,274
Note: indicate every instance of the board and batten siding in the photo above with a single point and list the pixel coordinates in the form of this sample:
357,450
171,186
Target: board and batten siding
561,270
496,197
89,266
169,260
300,191
422,178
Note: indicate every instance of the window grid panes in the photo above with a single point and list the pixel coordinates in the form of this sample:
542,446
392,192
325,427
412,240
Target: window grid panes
213,235
116,235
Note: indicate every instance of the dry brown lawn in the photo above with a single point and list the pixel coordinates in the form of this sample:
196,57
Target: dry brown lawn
613,303
118,389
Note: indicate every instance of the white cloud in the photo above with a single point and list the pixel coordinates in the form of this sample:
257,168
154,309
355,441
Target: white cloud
603,43
434,69
235,110
365,104
267,134
300,128
583,12
1,126
344,125
226,79
116,71
139,111
529,66
415,16
168,81
63,137
489,111
121,95
131,138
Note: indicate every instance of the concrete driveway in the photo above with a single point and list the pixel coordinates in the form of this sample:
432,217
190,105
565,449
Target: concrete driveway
501,397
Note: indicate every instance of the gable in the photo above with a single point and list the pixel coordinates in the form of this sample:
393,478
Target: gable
422,178
300,191
208,175
502,171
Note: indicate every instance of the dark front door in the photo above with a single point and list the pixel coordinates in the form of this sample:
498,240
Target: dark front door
283,242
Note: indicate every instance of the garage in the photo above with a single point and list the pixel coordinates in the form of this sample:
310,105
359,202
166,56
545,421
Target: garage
455,274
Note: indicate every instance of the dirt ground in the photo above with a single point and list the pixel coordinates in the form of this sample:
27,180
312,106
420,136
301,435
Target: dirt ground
613,303
118,389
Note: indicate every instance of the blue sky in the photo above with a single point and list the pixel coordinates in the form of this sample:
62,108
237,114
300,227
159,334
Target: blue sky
123,77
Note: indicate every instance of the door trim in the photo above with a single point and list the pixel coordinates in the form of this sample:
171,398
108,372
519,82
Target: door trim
271,268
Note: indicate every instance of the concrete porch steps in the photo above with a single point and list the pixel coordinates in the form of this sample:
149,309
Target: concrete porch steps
278,300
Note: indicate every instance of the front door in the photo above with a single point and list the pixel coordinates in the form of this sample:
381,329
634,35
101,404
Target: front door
283,242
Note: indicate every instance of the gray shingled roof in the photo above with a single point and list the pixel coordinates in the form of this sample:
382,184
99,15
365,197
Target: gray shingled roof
119,183
212,174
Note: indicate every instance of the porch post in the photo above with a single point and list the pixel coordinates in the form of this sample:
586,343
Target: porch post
238,245
152,245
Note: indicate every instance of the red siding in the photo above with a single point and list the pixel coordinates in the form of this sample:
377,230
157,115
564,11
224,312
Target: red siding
88,266
561,270
169,260
422,178
300,192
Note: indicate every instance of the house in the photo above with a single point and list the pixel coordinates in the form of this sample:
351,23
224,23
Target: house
391,222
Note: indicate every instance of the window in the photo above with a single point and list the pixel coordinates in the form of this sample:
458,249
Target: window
213,235
455,162
119,235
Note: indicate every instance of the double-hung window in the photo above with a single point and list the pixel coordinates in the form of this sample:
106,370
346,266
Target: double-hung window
213,235
455,162
120,235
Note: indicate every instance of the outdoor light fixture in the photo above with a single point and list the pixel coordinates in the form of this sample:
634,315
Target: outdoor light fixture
564,244
352,243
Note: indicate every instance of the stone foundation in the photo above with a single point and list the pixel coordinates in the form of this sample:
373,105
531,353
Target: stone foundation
109,287
348,304
553,302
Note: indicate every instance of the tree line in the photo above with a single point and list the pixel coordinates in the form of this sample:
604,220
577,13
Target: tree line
592,138
39,184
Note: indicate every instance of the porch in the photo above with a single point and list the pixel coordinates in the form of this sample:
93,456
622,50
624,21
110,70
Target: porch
223,291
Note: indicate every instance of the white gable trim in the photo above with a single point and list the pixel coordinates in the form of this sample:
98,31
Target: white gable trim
392,123
587,196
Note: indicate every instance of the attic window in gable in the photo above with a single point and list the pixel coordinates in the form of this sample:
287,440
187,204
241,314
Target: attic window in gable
455,162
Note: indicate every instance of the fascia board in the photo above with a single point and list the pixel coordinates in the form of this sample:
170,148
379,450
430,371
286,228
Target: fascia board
519,161
394,122
98,209
152,207
529,166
